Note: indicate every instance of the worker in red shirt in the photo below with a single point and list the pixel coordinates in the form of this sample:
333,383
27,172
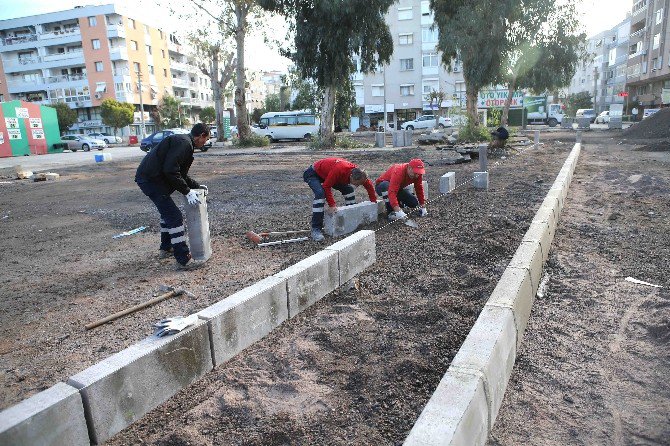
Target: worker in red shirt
391,186
334,173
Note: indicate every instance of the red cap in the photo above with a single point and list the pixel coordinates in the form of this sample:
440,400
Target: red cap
418,166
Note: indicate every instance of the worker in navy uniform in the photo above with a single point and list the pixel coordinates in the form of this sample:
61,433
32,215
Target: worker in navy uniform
163,171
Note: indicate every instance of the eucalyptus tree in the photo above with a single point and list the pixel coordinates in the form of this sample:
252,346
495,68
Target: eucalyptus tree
328,34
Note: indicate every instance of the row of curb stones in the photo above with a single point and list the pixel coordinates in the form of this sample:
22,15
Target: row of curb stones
463,408
104,399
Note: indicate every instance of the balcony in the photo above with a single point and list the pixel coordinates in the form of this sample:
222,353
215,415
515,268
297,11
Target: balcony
181,66
67,78
116,31
22,86
65,34
19,39
638,53
180,83
118,53
57,57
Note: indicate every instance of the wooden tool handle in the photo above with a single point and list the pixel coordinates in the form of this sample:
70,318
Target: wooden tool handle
132,309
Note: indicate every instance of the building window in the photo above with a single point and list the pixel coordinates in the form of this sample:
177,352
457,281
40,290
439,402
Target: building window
425,8
406,64
151,69
146,29
136,65
405,13
149,49
161,34
133,45
407,90
430,60
429,35
657,40
92,21
96,44
659,16
378,91
98,66
165,72
406,39
163,53
131,22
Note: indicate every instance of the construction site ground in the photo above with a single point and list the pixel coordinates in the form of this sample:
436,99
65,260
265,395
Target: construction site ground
359,366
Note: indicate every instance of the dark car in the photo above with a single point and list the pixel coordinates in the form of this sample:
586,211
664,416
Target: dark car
152,140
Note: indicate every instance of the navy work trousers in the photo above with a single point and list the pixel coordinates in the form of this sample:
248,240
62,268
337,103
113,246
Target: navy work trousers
405,198
315,183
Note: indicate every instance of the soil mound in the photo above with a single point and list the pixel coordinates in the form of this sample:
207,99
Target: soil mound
657,146
655,126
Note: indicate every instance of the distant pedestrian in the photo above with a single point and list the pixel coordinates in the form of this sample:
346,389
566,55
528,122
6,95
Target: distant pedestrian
391,186
334,173
500,137
165,170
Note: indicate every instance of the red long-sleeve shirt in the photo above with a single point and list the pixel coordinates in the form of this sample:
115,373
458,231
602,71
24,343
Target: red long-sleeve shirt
397,176
337,172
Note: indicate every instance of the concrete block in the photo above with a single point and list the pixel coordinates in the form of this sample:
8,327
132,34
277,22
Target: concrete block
348,218
245,317
560,200
547,214
310,279
52,417
355,253
447,182
480,180
539,232
456,414
410,189
124,387
514,290
490,349
553,200
529,256
197,221
381,206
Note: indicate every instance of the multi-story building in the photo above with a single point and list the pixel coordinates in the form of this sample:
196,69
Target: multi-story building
84,55
649,53
415,70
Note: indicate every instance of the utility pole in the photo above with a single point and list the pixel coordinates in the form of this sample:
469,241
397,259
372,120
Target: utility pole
139,83
385,116
595,88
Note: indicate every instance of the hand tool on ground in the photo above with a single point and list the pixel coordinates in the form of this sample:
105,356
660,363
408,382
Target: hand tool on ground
281,242
174,325
171,293
258,237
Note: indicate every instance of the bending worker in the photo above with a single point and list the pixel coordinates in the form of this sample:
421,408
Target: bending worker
162,171
391,186
334,173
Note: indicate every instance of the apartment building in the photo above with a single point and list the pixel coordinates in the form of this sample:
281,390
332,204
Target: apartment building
648,72
84,55
415,70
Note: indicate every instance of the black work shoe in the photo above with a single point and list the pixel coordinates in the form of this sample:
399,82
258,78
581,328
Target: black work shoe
165,253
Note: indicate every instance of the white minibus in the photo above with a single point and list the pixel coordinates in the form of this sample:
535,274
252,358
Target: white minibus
301,124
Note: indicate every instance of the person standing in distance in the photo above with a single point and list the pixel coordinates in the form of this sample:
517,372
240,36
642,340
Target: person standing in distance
391,186
165,170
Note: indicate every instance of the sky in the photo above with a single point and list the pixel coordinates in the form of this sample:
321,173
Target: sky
596,16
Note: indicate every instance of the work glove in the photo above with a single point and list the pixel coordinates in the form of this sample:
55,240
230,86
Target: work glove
174,325
397,215
423,212
203,187
331,211
192,198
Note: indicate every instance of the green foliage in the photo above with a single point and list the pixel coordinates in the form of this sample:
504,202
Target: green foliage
169,113
345,104
253,140
65,115
346,142
256,114
473,133
207,115
116,114
494,117
272,103
575,101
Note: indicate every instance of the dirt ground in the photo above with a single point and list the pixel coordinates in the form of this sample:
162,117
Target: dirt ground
357,367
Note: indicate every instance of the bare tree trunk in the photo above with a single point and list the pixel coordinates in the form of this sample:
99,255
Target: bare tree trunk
471,104
508,102
243,128
328,117
216,91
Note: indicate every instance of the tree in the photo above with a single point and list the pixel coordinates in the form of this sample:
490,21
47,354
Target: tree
327,36
116,114
272,103
169,113
207,115
474,31
575,101
256,114
65,115
345,104
437,97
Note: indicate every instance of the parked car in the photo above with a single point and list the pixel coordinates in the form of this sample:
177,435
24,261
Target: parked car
649,111
109,139
85,143
426,122
586,113
152,140
603,117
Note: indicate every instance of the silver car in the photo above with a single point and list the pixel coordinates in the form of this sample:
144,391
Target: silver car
109,139
85,143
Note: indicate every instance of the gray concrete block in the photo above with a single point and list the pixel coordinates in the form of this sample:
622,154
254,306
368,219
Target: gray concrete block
490,348
456,414
547,214
348,218
480,180
529,256
447,182
411,190
560,200
52,417
381,206
539,232
245,317
197,221
514,290
124,387
355,253
310,279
